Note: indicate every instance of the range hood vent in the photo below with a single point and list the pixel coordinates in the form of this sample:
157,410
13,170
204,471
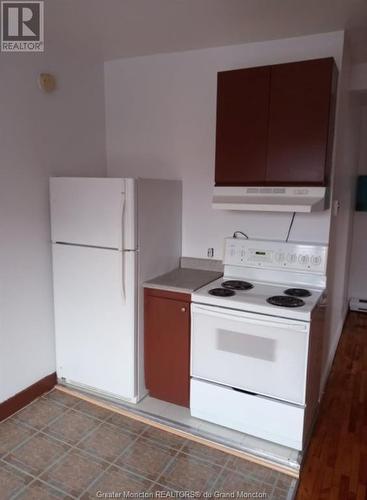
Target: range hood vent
270,199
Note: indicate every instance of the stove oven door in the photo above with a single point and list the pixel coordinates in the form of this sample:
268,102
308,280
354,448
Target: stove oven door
256,353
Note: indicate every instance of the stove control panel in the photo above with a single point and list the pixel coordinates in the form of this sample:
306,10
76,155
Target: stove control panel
275,255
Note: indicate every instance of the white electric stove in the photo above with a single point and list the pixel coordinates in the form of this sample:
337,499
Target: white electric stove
257,340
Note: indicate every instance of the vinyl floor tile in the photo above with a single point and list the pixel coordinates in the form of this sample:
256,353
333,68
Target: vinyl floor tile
107,442
279,494
74,473
163,438
93,410
72,427
146,458
41,491
189,473
250,469
126,423
40,413
36,454
204,452
230,482
11,481
117,481
62,398
12,434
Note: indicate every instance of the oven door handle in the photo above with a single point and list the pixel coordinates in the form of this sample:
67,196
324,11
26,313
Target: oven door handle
238,316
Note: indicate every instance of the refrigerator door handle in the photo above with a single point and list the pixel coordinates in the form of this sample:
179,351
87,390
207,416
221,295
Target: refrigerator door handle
123,221
123,205
123,293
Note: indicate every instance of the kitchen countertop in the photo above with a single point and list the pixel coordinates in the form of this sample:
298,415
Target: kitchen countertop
184,280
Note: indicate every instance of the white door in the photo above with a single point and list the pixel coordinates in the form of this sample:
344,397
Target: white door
94,294
259,354
87,211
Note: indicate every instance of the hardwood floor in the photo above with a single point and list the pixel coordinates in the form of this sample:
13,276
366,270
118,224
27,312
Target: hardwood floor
336,462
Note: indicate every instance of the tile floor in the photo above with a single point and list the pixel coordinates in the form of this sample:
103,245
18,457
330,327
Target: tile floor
61,447
180,417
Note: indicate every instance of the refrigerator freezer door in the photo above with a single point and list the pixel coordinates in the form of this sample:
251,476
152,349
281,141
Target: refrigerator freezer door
94,293
87,211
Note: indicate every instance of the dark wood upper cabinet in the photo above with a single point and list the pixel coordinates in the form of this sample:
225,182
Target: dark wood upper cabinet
167,345
242,126
300,112
275,124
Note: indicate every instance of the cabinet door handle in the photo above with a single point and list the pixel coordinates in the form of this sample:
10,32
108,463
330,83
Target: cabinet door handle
183,309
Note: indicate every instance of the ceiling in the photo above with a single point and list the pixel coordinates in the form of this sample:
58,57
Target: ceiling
111,29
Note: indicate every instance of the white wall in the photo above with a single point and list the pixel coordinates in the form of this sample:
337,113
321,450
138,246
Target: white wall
40,135
358,81
160,122
344,178
358,272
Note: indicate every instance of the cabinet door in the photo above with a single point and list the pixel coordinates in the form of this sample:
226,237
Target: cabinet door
242,126
167,349
299,118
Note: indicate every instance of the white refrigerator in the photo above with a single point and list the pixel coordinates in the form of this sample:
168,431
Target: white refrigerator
108,237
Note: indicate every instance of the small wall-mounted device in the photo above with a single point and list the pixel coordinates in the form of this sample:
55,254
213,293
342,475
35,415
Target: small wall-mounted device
47,82
210,253
336,207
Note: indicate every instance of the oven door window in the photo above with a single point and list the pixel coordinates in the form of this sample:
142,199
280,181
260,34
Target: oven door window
242,344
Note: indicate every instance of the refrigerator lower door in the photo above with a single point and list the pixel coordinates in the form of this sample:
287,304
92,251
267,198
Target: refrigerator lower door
95,295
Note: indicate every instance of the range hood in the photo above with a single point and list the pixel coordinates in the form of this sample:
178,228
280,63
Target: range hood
270,199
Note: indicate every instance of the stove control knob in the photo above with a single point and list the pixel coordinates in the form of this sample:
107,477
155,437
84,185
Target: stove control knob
279,257
292,258
316,260
303,259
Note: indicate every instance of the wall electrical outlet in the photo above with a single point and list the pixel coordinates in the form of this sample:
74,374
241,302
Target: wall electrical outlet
210,253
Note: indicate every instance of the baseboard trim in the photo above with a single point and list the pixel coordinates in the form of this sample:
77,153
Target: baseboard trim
26,396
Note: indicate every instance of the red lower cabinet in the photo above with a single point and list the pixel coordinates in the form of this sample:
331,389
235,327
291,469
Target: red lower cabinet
167,345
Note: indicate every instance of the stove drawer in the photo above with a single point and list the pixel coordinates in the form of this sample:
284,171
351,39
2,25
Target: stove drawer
255,415
258,353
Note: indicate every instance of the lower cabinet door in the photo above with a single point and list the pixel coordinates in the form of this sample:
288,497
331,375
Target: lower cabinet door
167,349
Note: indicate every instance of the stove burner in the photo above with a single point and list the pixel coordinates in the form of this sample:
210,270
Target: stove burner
221,292
237,285
285,301
298,292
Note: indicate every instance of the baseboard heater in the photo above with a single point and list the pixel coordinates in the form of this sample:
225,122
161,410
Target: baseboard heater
356,304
